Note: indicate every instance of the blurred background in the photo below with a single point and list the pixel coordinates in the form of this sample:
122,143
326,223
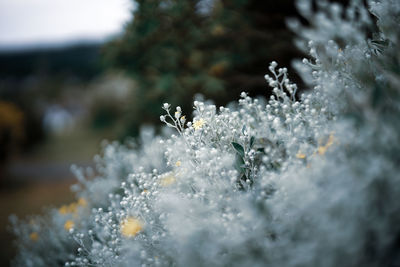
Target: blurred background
73,73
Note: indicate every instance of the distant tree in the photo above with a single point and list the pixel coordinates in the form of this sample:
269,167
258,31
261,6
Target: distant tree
174,49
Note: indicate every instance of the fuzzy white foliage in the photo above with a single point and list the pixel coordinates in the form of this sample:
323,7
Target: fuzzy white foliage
287,182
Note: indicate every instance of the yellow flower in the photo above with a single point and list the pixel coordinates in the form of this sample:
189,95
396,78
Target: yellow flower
322,149
82,202
131,227
34,236
168,179
301,155
68,225
178,163
331,139
63,210
197,125
73,207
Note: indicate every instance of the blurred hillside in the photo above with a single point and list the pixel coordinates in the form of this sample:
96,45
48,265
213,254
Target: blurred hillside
48,92
31,80
80,61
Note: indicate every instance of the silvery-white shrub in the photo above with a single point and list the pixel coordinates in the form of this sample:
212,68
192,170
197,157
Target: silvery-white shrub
298,180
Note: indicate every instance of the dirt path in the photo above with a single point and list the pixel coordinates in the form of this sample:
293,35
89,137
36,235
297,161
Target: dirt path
26,190
42,179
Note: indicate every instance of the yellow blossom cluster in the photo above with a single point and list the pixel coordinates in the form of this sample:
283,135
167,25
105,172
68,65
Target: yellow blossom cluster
73,207
197,125
322,149
168,179
68,225
300,155
130,227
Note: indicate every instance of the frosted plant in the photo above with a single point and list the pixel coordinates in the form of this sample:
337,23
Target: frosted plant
298,180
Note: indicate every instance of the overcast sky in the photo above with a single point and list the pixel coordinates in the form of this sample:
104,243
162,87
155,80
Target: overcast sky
27,23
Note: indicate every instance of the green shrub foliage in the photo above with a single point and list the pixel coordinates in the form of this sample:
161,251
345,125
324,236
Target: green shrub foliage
175,49
309,181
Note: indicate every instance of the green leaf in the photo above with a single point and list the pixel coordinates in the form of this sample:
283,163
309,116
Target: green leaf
243,129
239,149
252,139
240,182
239,164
